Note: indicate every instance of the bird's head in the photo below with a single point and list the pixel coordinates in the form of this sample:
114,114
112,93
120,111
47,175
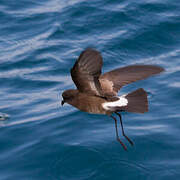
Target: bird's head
68,96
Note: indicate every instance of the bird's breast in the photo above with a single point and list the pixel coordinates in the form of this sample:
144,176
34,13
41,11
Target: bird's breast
90,104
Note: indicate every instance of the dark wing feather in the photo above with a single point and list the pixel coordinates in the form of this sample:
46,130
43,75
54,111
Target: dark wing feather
112,81
86,71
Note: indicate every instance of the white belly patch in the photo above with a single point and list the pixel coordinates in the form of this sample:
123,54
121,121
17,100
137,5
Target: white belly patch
122,101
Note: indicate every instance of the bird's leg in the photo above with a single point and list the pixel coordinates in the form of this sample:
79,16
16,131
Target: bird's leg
123,129
117,136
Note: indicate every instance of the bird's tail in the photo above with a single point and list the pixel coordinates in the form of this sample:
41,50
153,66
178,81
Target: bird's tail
137,101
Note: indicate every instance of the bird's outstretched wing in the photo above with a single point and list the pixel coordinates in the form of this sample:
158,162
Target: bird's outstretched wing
112,81
86,71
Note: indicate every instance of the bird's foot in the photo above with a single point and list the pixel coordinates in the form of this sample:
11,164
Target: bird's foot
122,144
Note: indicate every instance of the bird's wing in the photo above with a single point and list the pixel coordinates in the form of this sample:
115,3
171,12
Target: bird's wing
86,71
112,81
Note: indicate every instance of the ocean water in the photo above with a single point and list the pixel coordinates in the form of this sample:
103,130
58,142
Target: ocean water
39,43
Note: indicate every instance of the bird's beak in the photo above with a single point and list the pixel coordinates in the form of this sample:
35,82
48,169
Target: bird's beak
62,102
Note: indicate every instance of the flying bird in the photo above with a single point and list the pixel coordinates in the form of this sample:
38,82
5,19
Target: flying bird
97,93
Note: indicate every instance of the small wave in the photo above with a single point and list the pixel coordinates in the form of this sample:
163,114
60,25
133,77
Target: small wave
4,116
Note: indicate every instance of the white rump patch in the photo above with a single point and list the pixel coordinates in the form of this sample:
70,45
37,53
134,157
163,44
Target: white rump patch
119,103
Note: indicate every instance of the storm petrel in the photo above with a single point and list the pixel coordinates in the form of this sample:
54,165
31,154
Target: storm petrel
98,93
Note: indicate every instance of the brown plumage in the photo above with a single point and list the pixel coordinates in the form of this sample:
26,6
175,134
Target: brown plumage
97,93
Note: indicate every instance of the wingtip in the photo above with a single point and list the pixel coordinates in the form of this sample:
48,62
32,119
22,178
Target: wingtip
161,69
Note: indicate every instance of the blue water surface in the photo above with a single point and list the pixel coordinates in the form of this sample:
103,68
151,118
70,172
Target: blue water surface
39,43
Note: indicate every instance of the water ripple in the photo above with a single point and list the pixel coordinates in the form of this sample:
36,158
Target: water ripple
40,41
